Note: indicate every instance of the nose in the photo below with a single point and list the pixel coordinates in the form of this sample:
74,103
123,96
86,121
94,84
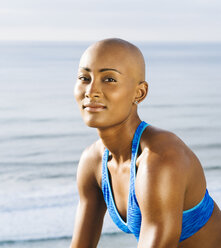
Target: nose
93,90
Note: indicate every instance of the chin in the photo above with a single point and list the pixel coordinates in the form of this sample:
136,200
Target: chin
92,124
99,120
102,124
95,122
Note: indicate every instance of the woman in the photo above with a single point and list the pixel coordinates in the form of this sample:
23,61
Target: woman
151,183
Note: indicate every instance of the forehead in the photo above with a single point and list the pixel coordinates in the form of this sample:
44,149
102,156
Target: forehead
105,57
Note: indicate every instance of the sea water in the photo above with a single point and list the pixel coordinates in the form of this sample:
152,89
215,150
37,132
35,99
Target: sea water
42,134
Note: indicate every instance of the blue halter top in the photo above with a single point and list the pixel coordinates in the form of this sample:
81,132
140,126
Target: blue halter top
193,219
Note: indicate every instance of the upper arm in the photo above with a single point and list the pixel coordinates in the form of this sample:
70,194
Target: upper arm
160,190
91,207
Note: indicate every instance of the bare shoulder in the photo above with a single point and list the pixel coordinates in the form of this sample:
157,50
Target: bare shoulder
167,161
89,167
161,176
92,155
165,146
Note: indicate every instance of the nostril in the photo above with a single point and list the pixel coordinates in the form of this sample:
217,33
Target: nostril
92,94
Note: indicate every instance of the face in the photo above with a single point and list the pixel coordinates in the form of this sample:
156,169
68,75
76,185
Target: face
105,87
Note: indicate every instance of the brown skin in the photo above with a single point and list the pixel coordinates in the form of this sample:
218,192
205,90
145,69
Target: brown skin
169,178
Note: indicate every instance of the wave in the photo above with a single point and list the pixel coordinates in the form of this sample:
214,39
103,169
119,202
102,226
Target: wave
30,120
40,206
42,164
47,239
178,105
206,146
212,168
45,136
32,240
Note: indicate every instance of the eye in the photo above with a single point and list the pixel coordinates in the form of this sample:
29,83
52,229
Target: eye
82,78
110,80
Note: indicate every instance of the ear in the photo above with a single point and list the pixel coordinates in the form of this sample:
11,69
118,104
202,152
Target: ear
141,91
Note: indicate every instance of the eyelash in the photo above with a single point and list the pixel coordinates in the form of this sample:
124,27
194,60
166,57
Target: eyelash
80,78
87,79
112,80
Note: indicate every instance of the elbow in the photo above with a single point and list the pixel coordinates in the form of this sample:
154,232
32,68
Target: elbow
167,239
168,243
158,242
159,238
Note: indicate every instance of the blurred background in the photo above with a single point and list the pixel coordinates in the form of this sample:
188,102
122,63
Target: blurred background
41,131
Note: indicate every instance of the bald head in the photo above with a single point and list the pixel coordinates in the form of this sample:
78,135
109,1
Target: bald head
111,73
124,54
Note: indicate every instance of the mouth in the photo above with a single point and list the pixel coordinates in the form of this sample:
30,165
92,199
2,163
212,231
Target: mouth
94,107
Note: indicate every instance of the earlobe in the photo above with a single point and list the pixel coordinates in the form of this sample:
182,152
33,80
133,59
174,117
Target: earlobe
141,91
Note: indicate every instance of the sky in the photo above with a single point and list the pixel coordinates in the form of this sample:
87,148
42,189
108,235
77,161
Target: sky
138,20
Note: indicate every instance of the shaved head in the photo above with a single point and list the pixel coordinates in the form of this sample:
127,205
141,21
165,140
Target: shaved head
127,54
111,73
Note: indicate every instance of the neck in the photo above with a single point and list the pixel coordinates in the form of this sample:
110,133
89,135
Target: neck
118,138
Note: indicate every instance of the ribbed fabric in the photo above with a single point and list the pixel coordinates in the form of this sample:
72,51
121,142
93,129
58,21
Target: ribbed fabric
196,217
133,211
193,219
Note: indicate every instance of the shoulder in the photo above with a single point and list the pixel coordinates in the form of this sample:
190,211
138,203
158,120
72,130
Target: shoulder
168,170
161,182
162,145
89,167
165,159
92,154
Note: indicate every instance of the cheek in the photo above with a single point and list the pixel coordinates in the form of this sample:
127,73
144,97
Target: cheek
122,97
121,102
78,92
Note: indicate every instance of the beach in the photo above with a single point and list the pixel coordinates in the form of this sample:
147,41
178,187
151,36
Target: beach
42,133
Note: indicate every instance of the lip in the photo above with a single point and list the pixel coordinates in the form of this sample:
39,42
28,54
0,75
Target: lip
94,107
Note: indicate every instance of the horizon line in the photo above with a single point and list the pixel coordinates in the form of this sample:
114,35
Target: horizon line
86,41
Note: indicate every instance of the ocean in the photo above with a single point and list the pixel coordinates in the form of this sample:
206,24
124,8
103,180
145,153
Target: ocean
42,134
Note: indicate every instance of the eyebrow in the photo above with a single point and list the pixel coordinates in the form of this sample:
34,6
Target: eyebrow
101,70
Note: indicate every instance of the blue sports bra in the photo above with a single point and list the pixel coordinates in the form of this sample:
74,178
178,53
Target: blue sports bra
193,219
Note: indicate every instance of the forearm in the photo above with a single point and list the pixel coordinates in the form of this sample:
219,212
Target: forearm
81,245
88,225
73,245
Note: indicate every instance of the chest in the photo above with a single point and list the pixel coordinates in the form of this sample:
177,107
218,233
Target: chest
119,195
119,178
